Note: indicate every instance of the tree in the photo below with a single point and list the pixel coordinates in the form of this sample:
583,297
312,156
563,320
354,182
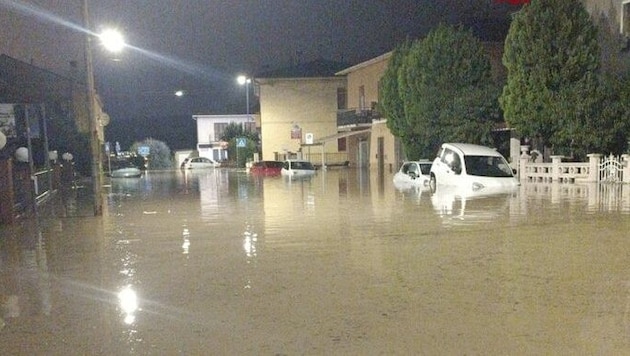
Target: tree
443,92
553,91
240,155
391,104
159,153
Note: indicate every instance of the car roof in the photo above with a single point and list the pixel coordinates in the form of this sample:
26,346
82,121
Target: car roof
472,150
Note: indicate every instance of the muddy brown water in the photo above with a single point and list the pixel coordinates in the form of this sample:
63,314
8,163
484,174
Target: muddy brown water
221,263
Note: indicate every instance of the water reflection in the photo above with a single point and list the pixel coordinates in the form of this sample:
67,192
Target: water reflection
128,300
216,256
464,207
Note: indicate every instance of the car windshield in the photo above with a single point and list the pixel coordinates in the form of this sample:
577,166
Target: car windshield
425,169
302,165
487,166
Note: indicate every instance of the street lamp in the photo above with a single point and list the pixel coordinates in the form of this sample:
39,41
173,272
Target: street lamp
243,80
112,40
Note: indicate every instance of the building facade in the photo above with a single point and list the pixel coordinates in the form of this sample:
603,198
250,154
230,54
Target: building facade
210,130
297,112
377,147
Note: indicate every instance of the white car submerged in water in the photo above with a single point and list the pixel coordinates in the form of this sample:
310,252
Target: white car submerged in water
472,168
413,174
297,168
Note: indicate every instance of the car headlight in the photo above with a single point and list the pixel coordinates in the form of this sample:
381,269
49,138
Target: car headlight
477,186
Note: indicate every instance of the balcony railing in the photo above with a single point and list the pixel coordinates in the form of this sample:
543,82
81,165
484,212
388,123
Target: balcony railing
357,117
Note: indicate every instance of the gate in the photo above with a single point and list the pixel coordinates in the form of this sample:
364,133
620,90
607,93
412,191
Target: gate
611,170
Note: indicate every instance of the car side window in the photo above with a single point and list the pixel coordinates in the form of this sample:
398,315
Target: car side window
452,160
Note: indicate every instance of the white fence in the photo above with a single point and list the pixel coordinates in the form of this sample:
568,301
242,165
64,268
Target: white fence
597,169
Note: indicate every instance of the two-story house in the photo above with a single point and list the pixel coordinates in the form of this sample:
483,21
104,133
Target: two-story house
298,107
375,147
210,130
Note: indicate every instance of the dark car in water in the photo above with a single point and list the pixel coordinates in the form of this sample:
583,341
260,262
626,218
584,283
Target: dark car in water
266,168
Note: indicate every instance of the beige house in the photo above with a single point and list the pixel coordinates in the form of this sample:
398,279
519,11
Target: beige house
297,110
377,147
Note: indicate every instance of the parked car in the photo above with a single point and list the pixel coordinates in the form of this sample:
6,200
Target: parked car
297,168
200,163
413,174
266,168
124,169
471,167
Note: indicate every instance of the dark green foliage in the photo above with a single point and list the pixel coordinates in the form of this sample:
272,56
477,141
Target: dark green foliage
439,89
159,154
239,155
555,92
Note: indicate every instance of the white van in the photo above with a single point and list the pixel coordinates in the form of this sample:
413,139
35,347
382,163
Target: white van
471,167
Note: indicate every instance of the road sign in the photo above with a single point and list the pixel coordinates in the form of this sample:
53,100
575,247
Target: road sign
241,142
309,138
143,151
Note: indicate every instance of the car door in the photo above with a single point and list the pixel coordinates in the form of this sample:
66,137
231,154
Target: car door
450,167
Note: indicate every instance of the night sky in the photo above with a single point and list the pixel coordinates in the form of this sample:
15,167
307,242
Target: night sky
200,46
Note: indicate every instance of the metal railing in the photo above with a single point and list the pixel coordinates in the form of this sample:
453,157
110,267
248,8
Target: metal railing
357,117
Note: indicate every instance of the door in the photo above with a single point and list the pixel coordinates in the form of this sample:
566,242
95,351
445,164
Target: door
364,155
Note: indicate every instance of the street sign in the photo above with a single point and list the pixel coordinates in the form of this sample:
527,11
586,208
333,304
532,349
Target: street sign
143,151
309,138
241,142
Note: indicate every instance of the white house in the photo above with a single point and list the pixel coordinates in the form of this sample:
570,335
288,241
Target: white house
210,129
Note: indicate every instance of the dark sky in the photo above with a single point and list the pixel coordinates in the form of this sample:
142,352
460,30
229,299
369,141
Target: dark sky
200,46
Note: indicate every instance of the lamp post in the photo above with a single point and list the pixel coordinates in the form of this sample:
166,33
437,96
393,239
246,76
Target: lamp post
243,80
113,42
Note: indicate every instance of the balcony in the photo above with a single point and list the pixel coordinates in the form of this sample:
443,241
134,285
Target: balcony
357,117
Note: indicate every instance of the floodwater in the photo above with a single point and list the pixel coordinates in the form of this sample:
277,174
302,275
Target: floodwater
220,263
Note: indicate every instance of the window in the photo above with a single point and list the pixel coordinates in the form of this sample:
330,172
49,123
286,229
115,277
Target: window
342,98
362,98
341,144
219,130
249,126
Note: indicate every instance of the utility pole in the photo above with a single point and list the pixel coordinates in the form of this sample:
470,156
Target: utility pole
95,146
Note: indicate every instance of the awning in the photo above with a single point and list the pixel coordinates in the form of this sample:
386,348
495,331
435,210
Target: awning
322,141
337,136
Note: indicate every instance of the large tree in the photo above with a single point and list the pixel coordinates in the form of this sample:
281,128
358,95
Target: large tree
553,91
443,91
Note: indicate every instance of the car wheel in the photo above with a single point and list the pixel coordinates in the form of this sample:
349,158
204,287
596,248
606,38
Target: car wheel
433,183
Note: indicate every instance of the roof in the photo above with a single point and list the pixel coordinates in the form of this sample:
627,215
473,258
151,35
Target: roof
337,136
474,150
367,63
314,69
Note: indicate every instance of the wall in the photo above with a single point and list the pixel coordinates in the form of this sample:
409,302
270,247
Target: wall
310,103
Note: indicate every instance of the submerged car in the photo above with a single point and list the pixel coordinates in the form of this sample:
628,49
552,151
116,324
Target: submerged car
413,174
199,163
471,168
124,169
297,168
266,168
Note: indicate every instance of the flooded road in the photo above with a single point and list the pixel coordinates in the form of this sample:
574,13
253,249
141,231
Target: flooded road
222,263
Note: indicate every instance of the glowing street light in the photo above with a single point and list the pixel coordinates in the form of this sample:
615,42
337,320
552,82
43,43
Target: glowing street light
243,80
112,40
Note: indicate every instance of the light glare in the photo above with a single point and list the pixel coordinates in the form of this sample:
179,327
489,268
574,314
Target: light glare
112,40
